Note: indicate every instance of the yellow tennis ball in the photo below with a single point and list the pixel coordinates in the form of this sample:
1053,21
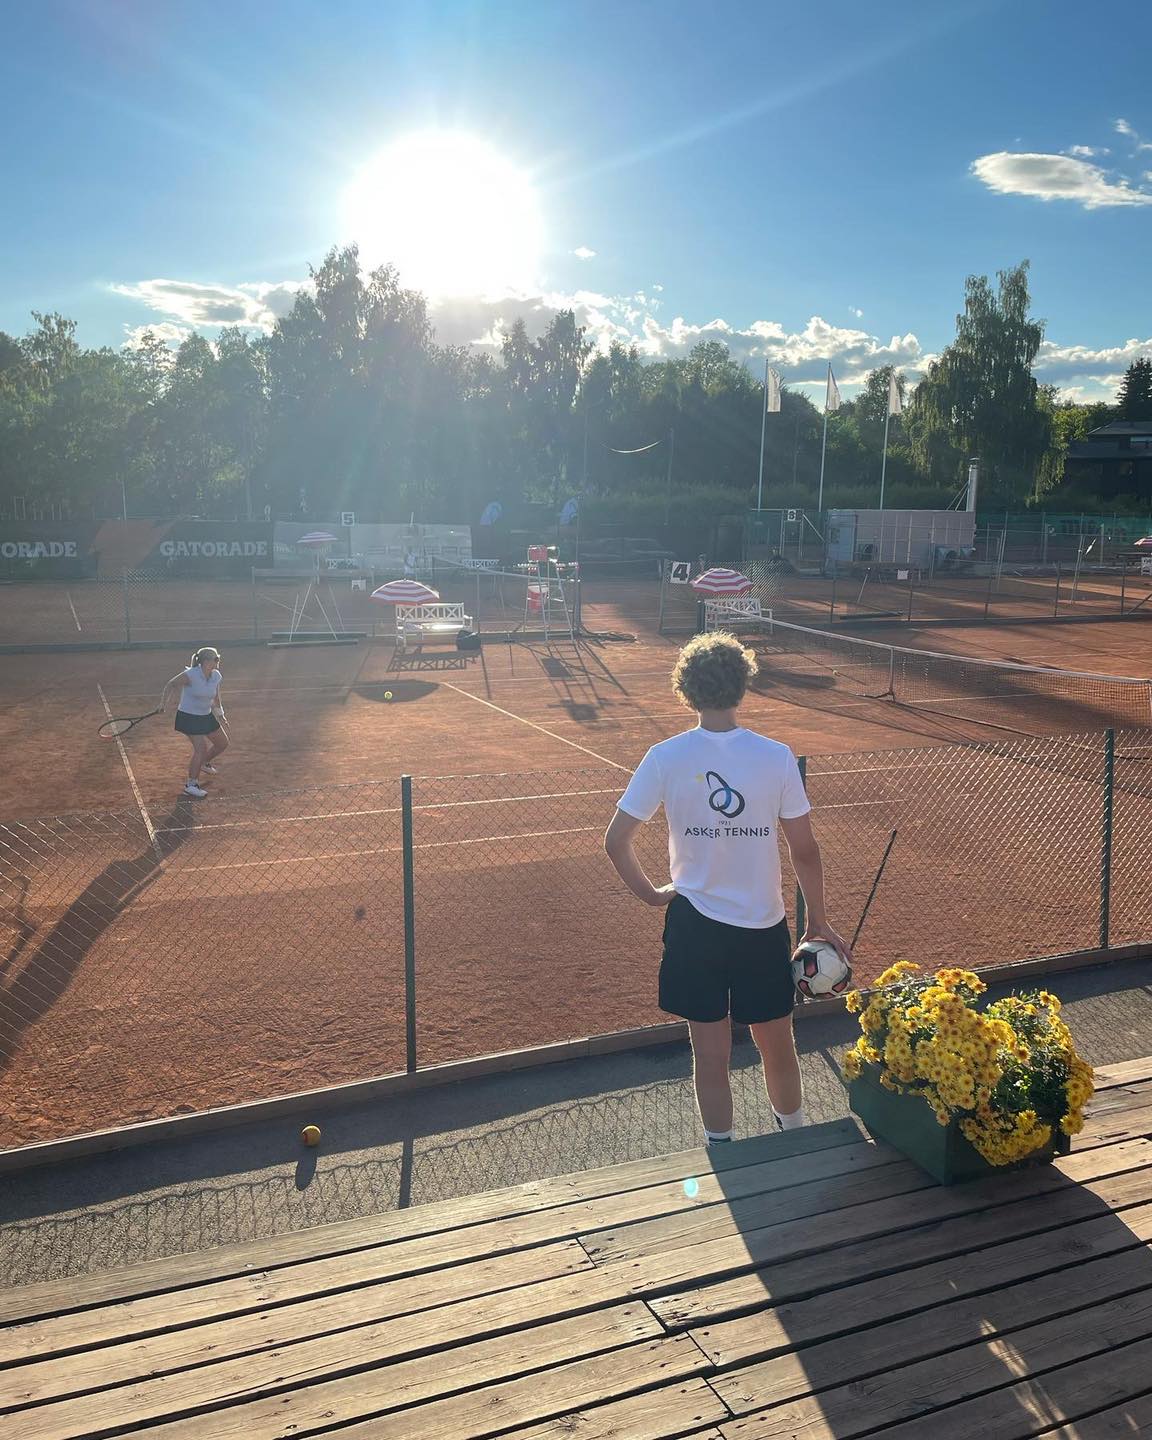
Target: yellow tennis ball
310,1135
387,694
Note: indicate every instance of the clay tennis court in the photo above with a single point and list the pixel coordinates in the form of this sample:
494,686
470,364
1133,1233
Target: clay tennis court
165,954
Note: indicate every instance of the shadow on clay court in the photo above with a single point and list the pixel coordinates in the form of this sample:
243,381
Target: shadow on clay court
396,692
401,663
35,974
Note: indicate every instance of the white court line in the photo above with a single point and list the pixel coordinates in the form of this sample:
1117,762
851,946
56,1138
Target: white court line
132,779
396,849
73,609
532,725
391,810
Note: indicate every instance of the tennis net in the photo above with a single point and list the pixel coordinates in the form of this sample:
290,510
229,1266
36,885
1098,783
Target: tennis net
1040,699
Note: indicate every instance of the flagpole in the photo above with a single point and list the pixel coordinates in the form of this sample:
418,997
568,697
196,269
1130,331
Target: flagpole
884,461
823,449
763,431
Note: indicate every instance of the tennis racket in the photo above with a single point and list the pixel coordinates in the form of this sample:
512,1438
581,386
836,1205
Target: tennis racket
120,726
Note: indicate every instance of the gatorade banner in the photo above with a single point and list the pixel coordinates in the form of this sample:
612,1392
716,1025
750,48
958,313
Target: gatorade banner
154,547
46,551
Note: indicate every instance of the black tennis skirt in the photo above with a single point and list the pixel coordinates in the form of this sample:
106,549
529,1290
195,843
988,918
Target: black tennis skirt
196,724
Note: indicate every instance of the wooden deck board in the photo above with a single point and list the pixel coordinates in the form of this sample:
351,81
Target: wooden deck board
156,1277
939,1384
1032,1406
280,1374
810,1284
896,1259
472,1413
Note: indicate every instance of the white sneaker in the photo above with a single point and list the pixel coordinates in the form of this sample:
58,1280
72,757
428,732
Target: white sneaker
193,789
207,769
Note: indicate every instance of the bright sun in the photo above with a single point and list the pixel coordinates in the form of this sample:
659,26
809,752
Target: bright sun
451,213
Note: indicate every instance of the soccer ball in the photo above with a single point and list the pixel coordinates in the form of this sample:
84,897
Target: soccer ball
818,969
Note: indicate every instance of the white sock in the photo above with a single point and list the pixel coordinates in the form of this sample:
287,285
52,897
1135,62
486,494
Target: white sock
790,1122
713,1137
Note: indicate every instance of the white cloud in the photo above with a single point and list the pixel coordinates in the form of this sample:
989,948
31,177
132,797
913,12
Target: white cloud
1086,390
1087,152
1056,177
1056,360
582,252
253,306
635,319
1122,127
852,310
165,330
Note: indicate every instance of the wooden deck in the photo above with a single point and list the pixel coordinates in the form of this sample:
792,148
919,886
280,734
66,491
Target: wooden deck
810,1284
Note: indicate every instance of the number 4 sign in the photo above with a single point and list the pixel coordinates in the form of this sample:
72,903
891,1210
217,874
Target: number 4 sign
680,571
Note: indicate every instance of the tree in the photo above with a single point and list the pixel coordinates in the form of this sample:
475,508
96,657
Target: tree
981,398
1135,397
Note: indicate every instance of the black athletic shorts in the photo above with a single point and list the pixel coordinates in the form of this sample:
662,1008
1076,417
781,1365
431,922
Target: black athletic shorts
711,970
196,724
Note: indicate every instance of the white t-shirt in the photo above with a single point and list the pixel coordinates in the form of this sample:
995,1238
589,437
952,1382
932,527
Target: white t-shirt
197,696
723,792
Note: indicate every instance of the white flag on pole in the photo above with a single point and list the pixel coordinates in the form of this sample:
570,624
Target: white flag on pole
773,396
832,395
894,404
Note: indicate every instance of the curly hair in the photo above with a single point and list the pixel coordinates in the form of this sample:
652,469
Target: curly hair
713,672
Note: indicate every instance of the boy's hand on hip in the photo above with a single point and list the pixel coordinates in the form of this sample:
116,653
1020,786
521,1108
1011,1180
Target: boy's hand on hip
661,895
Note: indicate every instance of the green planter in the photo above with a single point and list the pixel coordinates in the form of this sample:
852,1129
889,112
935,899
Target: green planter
908,1123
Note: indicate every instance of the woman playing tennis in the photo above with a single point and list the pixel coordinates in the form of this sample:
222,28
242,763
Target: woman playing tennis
198,714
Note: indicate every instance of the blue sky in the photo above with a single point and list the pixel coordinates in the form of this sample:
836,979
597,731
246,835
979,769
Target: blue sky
809,183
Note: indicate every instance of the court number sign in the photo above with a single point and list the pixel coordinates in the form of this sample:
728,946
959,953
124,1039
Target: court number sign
680,571
792,516
347,517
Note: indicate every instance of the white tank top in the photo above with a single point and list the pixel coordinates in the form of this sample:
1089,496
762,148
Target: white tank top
197,696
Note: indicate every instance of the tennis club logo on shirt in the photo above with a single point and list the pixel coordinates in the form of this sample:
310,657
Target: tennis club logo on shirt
724,798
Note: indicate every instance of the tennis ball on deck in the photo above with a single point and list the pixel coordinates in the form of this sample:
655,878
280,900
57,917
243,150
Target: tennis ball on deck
310,1135
387,694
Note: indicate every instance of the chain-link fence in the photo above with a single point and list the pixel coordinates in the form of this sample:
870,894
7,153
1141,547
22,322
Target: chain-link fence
276,943
819,594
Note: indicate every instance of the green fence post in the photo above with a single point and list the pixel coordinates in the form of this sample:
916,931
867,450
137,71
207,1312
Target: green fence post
1106,835
409,923
801,912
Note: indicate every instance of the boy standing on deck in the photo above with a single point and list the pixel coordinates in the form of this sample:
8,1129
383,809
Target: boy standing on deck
727,951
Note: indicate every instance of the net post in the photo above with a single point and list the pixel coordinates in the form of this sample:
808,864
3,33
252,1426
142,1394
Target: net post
801,910
1106,836
127,608
1056,602
832,602
988,593
409,924
663,584
1123,581
255,608
911,592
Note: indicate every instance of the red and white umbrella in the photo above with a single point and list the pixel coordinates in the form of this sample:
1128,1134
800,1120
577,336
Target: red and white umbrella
405,592
316,539
719,581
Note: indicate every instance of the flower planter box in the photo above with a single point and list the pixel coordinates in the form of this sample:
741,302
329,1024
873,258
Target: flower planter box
908,1124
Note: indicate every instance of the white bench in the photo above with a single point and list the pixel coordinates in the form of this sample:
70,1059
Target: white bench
730,612
436,620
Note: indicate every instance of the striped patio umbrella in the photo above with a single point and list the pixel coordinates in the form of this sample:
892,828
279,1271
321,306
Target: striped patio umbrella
316,539
719,581
405,592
